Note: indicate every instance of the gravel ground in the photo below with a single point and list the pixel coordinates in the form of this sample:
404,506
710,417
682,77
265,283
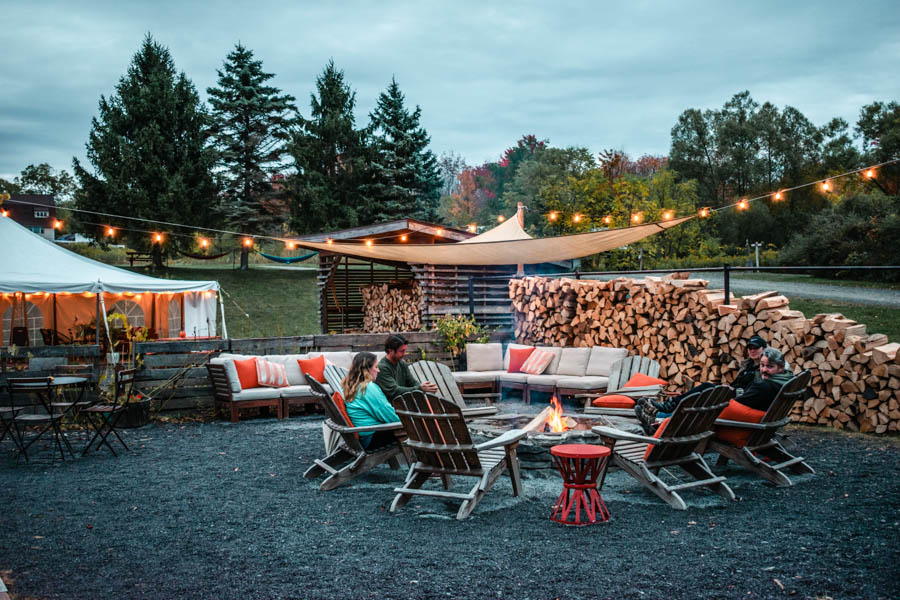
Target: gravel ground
214,510
855,295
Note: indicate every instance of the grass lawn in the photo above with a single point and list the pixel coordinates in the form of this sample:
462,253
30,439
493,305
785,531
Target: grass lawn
279,302
877,319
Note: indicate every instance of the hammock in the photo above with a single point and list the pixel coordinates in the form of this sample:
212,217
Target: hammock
286,259
203,256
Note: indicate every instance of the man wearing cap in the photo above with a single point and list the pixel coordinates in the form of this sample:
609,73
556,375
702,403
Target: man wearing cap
772,375
749,371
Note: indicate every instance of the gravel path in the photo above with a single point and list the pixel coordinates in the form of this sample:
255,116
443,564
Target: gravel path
214,510
854,295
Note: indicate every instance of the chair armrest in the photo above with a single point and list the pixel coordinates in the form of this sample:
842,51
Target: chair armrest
618,434
363,428
644,390
756,426
511,436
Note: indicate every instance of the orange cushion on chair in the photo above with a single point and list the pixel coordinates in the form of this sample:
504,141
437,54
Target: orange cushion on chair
315,367
614,401
641,380
517,357
339,402
735,411
246,370
657,434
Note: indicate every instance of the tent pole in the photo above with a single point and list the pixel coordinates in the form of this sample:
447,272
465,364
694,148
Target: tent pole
222,306
105,323
55,336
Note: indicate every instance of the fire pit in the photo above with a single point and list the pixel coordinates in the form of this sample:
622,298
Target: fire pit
546,429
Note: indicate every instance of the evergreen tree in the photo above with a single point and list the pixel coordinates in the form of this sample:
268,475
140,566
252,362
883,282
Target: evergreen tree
330,156
406,180
251,124
148,152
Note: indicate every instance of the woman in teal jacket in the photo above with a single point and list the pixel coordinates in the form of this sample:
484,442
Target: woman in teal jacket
365,402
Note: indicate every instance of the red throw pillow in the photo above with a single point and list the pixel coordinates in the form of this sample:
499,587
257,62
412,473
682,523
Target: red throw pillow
314,367
614,401
339,402
517,357
246,370
641,380
657,434
735,411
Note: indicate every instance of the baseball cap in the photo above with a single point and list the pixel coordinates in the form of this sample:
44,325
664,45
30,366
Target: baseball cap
756,342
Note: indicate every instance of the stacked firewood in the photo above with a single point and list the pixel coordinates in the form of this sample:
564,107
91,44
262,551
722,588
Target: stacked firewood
395,306
696,337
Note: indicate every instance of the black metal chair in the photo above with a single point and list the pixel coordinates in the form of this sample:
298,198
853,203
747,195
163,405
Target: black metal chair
7,412
40,414
72,398
104,417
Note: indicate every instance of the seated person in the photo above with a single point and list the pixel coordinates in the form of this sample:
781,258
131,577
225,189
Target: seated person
394,377
749,371
366,404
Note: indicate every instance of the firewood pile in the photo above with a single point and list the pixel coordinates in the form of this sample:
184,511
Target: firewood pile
696,337
395,306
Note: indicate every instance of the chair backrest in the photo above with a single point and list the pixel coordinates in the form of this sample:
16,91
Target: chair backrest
19,336
23,391
333,413
690,423
790,393
437,433
76,370
623,369
124,385
47,336
334,376
218,378
440,375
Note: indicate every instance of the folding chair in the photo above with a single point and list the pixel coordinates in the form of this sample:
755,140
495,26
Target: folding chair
104,417
28,413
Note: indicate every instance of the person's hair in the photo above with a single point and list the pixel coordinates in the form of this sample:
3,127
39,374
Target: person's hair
773,356
358,377
394,342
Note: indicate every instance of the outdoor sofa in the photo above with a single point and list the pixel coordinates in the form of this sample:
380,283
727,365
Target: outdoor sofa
227,390
572,371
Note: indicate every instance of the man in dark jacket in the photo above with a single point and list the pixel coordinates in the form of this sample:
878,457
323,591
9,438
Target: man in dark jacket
761,394
394,377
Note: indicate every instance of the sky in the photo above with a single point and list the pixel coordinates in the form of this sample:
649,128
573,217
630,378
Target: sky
594,74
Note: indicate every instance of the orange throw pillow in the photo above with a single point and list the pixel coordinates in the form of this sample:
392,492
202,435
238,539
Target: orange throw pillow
641,380
614,401
517,358
339,402
735,411
246,370
657,434
314,367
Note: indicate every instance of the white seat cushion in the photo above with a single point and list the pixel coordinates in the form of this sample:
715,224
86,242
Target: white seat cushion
514,377
589,382
602,359
295,391
554,364
484,357
477,376
574,361
259,393
542,379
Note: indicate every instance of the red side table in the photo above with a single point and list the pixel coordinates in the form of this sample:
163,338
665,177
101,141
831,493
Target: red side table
580,465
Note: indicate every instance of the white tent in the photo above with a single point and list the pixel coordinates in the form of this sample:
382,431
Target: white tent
44,286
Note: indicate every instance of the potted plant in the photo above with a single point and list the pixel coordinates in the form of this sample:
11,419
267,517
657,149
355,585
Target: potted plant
457,331
137,411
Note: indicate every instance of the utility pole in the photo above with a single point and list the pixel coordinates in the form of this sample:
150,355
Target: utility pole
756,245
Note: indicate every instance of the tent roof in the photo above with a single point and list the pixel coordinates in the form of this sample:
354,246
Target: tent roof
506,231
504,251
31,263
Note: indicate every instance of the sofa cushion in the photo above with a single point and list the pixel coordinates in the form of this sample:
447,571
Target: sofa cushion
259,393
549,380
517,358
537,362
554,364
513,377
341,359
574,361
602,359
291,367
246,370
588,382
484,357
230,372
314,367
270,373
476,376
295,391
510,347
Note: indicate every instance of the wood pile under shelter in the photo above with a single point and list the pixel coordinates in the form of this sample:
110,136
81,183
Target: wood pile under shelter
696,337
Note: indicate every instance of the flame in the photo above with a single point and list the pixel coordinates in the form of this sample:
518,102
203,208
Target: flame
554,419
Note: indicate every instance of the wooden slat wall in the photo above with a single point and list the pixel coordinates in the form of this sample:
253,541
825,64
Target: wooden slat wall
445,291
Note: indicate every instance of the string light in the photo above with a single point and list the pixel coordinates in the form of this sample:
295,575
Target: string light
291,245
704,212
329,241
826,186
204,242
248,242
552,216
472,228
158,237
5,213
743,204
110,232
368,242
667,215
403,238
636,218
439,231
778,196
57,224
500,218
576,218
870,173
607,219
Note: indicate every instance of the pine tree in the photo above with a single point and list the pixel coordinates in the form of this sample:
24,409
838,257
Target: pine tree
148,151
330,156
251,124
406,180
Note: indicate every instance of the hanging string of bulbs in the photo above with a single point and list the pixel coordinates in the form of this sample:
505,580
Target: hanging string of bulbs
249,240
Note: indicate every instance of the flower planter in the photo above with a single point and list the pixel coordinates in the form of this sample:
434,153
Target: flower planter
137,414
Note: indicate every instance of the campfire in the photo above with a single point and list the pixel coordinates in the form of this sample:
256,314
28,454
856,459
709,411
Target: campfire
551,420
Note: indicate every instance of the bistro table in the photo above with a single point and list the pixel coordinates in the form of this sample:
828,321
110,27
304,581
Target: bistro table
580,466
57,387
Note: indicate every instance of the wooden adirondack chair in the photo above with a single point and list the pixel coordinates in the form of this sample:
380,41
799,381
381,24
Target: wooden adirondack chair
621,371
440,375
763,453
439,441
688,428
360,459
334,375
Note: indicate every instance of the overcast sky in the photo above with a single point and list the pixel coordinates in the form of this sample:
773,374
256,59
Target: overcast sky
600,75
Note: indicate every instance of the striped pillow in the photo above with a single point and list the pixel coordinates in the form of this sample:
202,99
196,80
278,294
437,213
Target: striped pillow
538,362
271,374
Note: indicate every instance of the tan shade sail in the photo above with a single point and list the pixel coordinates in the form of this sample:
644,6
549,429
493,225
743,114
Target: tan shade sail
506,231
522,251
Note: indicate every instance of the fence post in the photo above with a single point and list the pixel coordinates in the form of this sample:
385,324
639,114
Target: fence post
577,274
726,275
471,295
